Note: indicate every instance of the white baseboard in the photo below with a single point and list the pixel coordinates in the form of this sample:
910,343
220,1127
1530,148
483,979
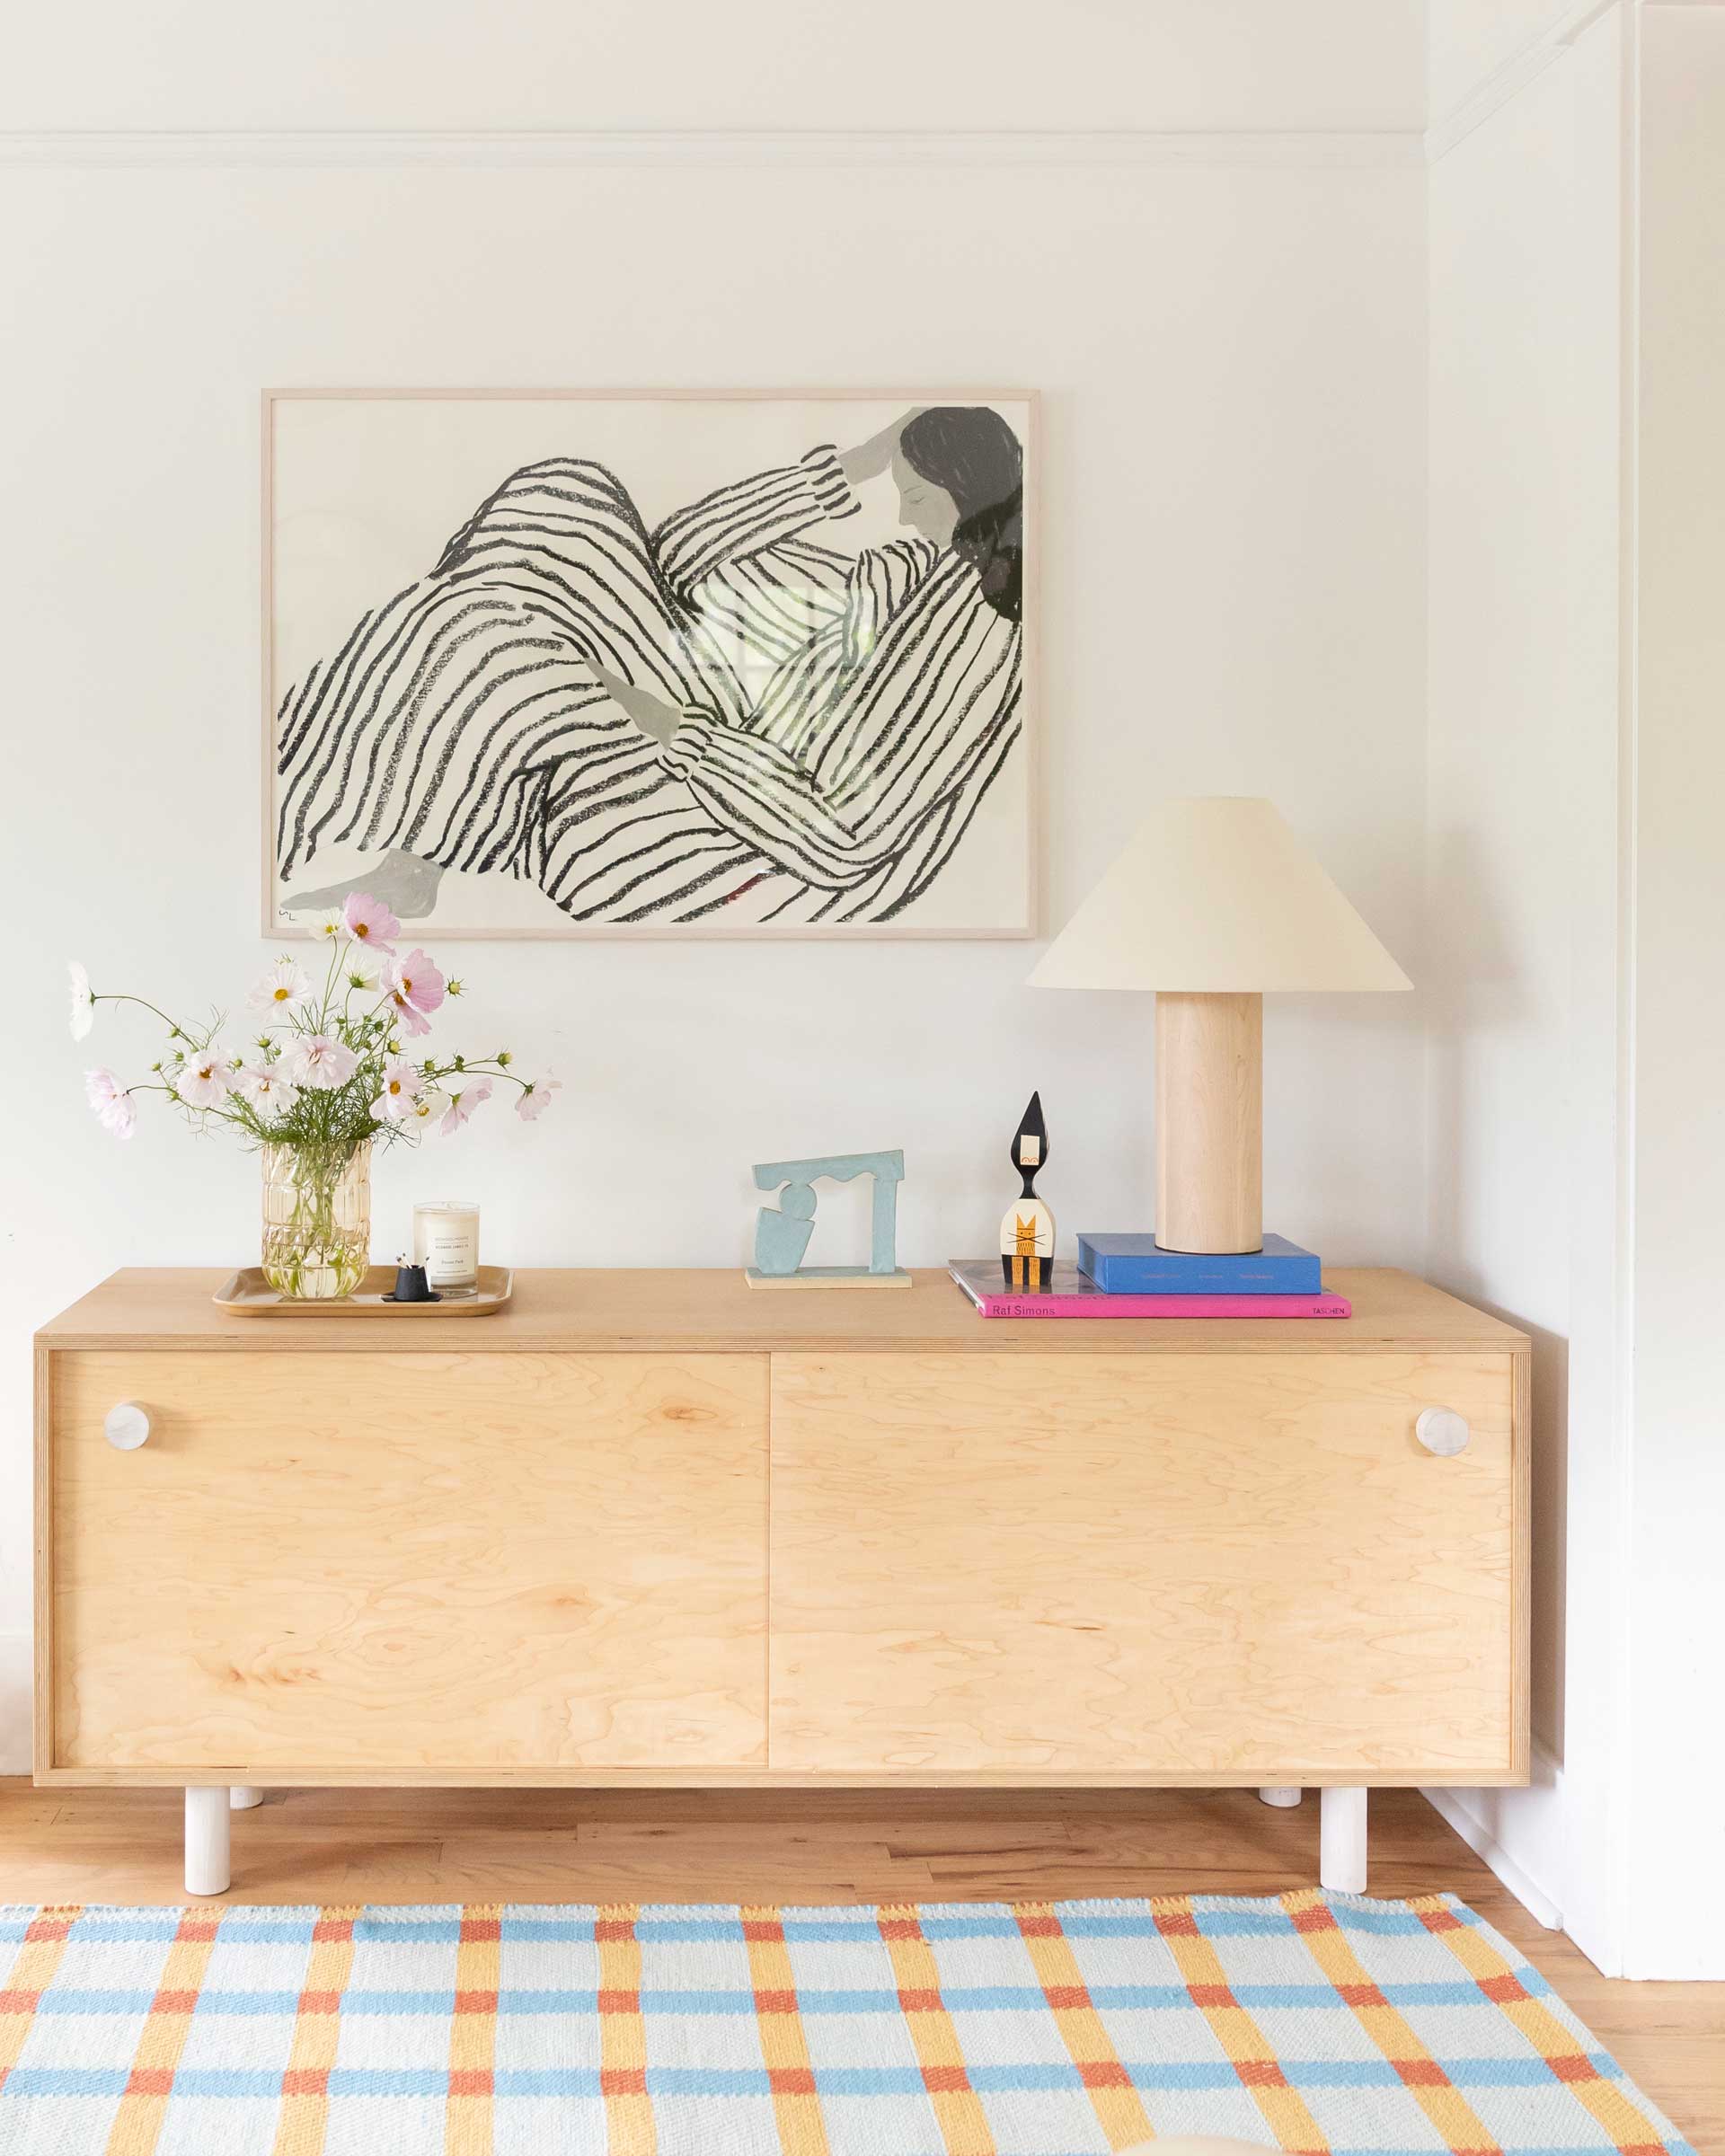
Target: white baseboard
1483,1819
17,1665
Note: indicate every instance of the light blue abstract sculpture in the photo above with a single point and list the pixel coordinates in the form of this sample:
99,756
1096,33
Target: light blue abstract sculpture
781,1232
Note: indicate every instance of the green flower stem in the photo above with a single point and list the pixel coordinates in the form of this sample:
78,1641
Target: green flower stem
329,983
488,1067
176,1031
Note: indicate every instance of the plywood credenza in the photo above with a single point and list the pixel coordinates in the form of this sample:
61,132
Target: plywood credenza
646,1527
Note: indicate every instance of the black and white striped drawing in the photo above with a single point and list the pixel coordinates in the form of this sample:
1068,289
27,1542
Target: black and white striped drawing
727,721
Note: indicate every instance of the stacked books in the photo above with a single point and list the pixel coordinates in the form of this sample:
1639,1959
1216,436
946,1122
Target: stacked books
1131,1277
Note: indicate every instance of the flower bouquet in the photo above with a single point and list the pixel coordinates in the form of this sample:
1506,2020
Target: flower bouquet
325,1077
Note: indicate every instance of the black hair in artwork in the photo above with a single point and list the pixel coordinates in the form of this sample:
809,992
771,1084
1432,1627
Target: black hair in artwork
974,454
1027,1160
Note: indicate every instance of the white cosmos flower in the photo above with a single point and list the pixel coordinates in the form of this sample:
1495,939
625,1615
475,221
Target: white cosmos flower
330,927
427,1107
283,990
114,1108
204,1079
361,970
84,1004
402,1085
314,1059
263,1085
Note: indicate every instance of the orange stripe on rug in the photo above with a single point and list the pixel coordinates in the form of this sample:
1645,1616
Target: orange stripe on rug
1465,2132
785,2046
303,2119
1119,2107
957,2108
138,2123
1632,2133
472,2031
1253,2058
622,2034
33,1969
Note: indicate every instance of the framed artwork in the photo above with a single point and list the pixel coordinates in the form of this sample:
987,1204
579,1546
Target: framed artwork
612,663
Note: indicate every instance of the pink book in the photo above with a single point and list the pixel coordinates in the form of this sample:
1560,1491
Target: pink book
1074,1295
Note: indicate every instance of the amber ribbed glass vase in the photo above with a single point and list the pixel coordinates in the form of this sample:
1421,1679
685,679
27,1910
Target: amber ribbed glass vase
316,1219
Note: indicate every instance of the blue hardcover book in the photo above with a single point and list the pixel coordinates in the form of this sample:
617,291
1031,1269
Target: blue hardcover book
1133,1265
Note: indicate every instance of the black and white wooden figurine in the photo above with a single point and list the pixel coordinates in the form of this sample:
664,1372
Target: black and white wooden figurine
1027,1228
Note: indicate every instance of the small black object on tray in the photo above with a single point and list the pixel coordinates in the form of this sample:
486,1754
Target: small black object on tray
410,1285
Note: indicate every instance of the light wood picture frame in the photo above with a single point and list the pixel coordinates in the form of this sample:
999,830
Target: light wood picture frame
708,664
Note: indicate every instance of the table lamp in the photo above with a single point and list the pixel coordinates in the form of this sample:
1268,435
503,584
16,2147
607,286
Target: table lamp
1214,903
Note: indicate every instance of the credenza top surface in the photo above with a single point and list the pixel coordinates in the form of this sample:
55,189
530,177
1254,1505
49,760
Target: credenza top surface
715,1312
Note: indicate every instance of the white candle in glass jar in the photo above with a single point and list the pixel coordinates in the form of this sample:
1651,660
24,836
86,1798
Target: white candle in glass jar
446,1243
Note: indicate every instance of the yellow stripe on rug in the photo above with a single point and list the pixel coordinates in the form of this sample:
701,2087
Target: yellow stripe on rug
957,2108
34,1968
1465,2132
1629,2127
784,2045
138,2123
472,2032
1248,2050
303,2123
1119,2107
622,2034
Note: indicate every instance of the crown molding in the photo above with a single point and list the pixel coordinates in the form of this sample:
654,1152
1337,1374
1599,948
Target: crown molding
1529,61
341,148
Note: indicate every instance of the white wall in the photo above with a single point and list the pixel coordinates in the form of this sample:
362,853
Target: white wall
1233,364
825,63
1576,762
1523,946
1471,44
1674,1759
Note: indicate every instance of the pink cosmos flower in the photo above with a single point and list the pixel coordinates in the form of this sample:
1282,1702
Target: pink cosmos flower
402,1087
415,987
462,1105
264,1087
314,1059
408,1019
205,1079
113,1105
370,921
531,1105
416,981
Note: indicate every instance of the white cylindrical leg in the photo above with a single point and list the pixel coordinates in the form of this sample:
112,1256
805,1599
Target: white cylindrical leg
243,1798
1341,1841
1282,1797
206,1857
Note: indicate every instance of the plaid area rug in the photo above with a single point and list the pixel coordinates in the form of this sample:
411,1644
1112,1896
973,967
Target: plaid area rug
1310,2022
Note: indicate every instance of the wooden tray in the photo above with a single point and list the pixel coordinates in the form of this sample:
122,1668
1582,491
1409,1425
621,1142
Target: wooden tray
248,1295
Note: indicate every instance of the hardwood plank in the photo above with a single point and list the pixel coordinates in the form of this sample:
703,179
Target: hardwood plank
430,1845
449,1562
1246,1565
712,1312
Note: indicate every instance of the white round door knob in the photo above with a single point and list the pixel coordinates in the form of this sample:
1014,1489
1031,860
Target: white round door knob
1443,1431
126,1426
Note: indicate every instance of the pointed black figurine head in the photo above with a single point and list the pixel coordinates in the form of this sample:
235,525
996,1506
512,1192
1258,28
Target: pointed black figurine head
1030,1145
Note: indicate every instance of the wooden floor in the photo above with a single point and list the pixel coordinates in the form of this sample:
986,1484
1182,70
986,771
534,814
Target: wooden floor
527,1845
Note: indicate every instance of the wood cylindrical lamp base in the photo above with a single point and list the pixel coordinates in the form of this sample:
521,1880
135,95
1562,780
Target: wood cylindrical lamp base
1209,1122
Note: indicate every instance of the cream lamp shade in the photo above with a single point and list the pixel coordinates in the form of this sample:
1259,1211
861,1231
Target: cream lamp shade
1217,896
1214,903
